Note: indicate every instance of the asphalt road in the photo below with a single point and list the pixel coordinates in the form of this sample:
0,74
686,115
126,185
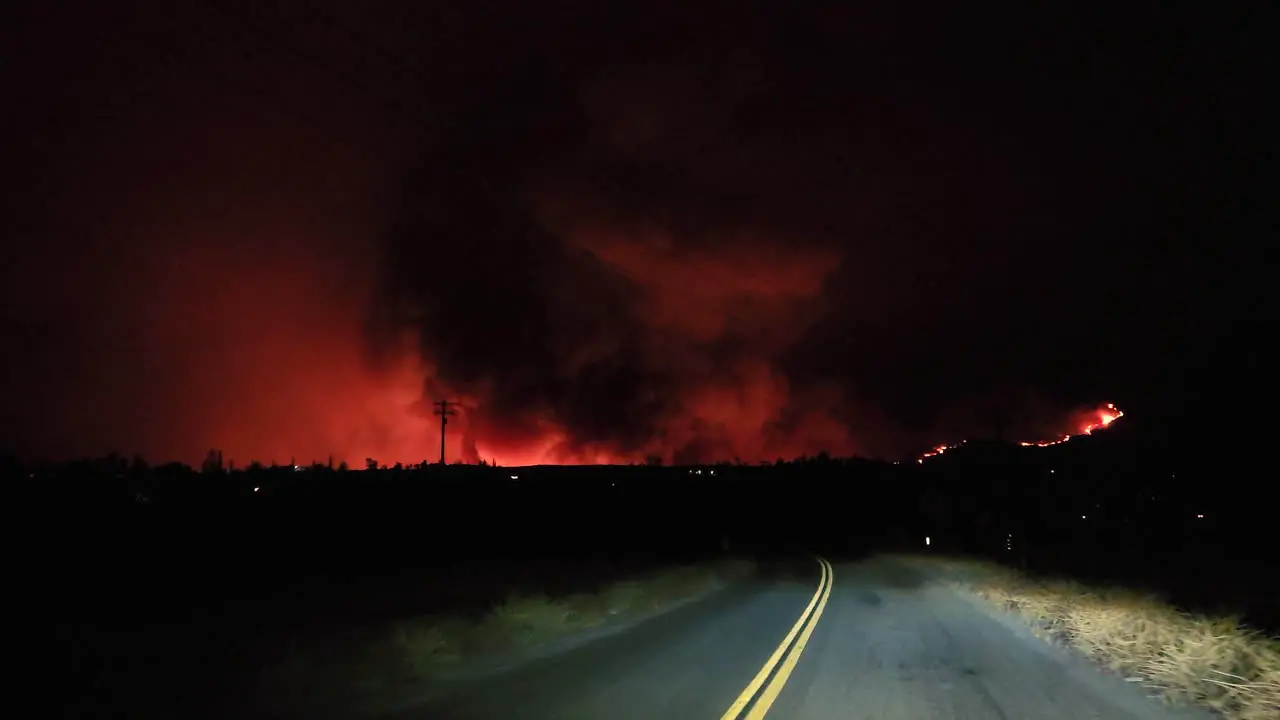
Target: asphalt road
873,639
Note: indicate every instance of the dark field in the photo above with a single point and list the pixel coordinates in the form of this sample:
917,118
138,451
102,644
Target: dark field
167,594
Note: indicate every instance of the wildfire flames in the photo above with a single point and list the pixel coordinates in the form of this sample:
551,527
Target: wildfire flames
548,251
1092,420
938,450
1096,420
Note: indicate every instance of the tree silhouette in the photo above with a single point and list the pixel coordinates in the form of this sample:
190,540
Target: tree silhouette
212,462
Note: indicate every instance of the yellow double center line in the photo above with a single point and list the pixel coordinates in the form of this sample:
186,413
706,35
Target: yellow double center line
778,667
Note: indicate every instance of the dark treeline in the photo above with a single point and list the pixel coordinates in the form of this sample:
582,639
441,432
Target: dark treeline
1092,508
1095,507
132,564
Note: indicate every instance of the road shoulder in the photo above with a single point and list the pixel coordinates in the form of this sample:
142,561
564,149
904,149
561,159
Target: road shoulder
1127,694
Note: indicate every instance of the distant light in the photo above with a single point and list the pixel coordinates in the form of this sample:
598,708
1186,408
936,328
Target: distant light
515,477
1051,471
1200,516
712,472
926,541
255,489
1084,517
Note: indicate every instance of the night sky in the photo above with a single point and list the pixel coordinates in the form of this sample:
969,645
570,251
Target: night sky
626,229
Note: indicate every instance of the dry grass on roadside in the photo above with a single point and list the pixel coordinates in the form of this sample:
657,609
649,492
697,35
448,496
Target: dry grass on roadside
428,643
1215,662
406,652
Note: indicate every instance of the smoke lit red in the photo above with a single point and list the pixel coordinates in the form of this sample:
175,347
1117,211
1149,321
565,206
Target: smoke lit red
605,266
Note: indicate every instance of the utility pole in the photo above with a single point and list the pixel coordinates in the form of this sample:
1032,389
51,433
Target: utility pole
444,408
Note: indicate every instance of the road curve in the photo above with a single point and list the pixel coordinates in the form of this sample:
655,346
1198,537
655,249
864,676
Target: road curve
804,641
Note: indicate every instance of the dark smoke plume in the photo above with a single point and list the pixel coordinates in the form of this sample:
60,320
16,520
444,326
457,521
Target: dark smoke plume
614,231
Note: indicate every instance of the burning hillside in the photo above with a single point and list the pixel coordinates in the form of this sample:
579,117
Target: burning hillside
1082,423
